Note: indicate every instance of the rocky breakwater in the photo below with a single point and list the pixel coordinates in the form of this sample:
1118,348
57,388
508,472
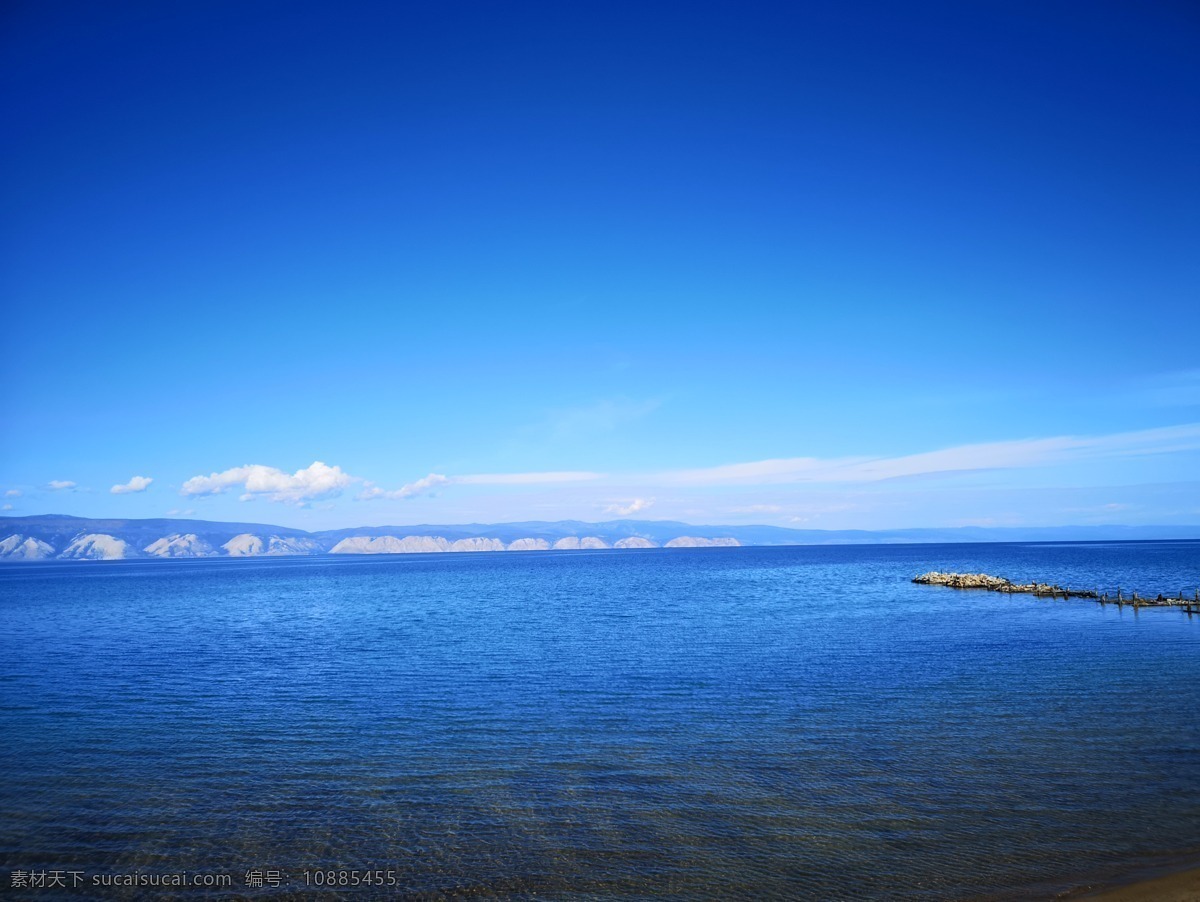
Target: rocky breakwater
991,583
1047,590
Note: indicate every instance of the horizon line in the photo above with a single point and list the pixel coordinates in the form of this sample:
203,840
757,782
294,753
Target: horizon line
8,516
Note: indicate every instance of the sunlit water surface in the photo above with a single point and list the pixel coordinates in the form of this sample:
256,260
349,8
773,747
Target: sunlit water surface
768,722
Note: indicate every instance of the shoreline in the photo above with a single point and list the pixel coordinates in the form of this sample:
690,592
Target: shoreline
1181,886
1177,881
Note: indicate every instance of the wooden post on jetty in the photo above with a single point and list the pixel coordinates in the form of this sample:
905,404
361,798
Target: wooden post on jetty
1193,606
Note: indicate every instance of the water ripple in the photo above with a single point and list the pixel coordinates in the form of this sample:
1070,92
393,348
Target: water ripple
783,723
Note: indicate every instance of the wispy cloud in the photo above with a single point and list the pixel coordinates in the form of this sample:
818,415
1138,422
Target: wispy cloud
60,485
756,509
557,476
601,417
136,484
13,493
320,480
317,480
427,484
631,507
1180,388
7,507
1019,453
714,490
423,486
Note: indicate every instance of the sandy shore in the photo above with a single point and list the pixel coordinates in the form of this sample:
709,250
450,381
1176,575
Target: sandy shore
1182,886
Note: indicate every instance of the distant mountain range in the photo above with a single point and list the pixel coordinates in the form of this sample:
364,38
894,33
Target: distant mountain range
54,536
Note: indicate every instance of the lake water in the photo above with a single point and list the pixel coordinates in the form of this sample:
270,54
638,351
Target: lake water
771,722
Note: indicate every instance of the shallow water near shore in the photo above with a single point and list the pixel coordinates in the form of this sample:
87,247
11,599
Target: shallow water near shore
786,722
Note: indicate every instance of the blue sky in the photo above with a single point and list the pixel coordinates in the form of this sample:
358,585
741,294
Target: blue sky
812,264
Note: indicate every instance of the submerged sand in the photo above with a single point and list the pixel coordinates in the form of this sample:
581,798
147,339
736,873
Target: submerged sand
1182,886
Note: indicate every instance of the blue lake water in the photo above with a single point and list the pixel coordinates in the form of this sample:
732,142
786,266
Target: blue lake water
782,722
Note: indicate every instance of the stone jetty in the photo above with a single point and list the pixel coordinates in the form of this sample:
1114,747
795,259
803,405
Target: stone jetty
1046,590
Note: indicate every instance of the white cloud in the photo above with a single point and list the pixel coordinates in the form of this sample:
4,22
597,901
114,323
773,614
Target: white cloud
176,512
136,484
632,507
420,487
13,493
7,507
1020,453
59,485
257,481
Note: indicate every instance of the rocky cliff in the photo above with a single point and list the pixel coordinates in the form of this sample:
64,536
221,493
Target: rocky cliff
189,545
98,547
22,548
696,542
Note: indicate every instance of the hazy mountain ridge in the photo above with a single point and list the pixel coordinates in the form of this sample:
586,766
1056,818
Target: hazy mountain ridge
63,537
